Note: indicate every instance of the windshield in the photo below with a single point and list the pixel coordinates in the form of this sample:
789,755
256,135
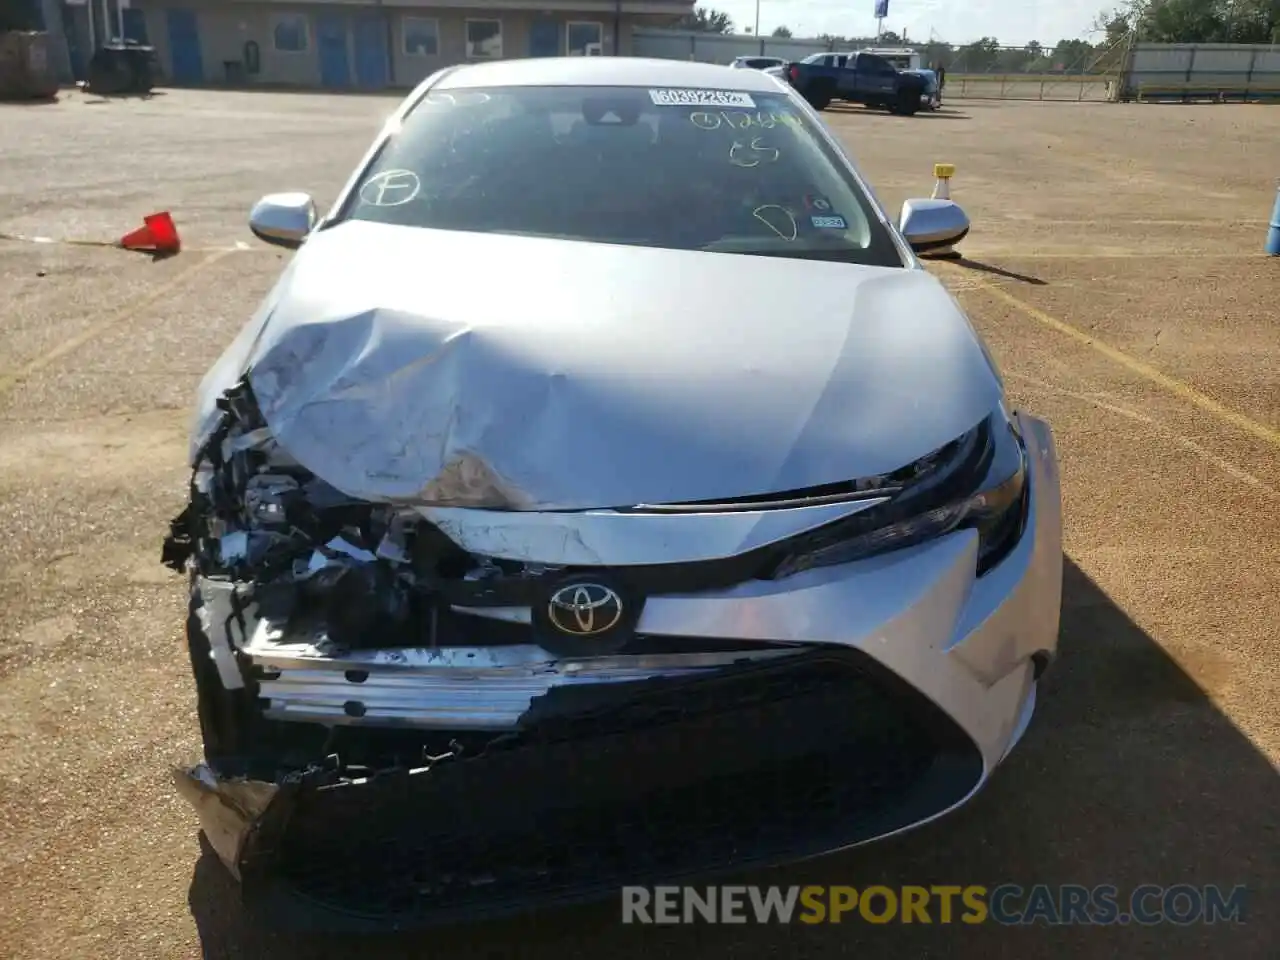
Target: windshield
719,171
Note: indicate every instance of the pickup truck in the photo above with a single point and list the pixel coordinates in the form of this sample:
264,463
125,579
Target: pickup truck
857,77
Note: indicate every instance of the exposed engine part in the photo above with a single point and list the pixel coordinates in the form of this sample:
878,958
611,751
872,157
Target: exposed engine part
277,534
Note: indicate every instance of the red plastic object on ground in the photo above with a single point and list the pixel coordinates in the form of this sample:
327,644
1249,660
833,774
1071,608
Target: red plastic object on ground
157,234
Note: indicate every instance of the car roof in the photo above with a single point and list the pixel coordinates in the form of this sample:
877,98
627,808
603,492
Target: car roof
606,72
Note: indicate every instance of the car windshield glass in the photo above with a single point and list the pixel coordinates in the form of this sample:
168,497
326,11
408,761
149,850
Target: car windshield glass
682,169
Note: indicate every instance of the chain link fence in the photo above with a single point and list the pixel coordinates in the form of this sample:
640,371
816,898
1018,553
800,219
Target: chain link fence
1071,70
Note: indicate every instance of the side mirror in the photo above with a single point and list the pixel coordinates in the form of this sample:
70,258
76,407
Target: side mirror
933,227
283,219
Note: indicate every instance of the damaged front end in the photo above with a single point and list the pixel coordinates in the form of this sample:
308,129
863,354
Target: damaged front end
346,653
396,732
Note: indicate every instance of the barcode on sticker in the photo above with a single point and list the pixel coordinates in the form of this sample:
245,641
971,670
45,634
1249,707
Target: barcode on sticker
828,223
702,98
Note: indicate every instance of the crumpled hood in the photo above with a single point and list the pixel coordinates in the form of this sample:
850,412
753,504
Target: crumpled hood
403,364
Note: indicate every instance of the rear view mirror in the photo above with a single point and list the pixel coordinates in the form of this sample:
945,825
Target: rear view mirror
933,227
283,219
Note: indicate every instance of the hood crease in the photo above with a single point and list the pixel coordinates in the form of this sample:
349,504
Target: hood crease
392,364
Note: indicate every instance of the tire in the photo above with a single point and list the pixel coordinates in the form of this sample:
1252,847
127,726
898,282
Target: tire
907,104
819,98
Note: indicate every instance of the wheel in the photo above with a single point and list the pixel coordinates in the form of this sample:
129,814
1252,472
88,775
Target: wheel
906,104
819,98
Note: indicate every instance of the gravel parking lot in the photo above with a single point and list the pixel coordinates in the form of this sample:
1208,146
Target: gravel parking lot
1115,268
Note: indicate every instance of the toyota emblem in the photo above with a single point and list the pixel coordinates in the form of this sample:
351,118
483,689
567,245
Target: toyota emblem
584,609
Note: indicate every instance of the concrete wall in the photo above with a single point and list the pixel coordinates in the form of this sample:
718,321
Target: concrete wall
224,29
718,48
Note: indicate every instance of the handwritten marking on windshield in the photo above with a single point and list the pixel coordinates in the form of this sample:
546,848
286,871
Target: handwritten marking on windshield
708,120
759,153
390,188
790,224
444,98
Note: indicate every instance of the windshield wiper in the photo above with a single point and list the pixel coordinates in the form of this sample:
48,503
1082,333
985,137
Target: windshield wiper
843,255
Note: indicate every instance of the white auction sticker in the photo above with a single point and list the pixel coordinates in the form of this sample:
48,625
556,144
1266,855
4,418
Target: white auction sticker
828,223
702,98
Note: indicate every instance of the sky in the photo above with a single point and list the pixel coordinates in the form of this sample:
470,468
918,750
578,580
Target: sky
1012,22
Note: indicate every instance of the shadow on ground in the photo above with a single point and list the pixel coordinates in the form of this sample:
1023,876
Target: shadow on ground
981,267
1128,770
857,108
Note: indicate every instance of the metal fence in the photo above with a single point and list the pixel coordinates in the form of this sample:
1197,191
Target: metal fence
1071,70
979,70
1201,71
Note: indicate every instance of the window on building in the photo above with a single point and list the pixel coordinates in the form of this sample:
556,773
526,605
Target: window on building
421,36
289,33
585,39
484,39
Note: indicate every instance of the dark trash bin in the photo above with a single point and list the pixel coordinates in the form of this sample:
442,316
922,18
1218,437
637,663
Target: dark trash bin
235,73
126,67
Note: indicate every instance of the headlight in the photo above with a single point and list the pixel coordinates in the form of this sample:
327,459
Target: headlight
976,482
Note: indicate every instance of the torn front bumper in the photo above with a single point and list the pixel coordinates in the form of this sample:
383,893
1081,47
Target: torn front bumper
908,681
229,809
676,777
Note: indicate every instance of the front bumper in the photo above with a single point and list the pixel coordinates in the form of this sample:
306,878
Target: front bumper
883,694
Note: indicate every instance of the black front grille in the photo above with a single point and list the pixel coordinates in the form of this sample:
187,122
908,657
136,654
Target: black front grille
760,764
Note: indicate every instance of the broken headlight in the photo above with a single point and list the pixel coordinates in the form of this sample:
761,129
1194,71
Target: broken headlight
978,481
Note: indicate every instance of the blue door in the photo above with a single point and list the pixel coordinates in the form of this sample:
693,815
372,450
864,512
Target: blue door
371,53
185,63
335,68
544,38
75,25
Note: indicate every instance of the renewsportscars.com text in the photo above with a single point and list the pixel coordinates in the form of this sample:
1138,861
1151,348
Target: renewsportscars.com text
1069,904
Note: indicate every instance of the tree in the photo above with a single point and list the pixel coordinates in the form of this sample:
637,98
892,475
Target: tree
935,52
1072,56
706,20
1183,21
1193,21
783,32
978,57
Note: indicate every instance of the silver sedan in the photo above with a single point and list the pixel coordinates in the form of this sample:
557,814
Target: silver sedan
605,493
